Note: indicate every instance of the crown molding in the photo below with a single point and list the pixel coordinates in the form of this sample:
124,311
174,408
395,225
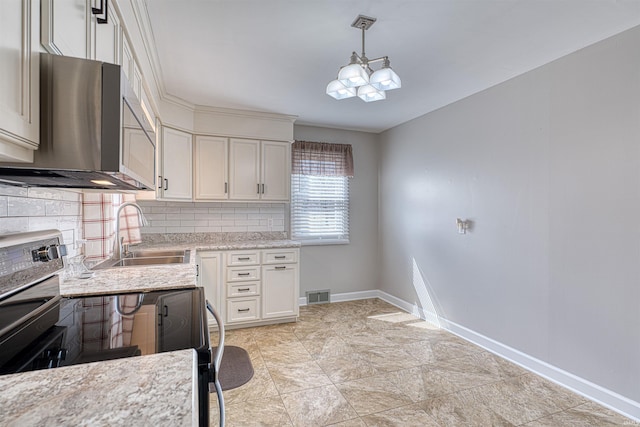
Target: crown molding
232,112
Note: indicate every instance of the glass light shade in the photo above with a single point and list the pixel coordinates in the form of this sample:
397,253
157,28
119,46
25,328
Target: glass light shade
353,75
339,91
385,79
369,93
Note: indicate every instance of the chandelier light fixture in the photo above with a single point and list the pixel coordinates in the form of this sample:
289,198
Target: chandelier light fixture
358,78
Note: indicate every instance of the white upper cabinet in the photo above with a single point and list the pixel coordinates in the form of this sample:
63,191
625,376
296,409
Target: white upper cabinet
210,168
244,169
275,170
106,31
65,27
81,28
130,67
19,81
259,170
176,165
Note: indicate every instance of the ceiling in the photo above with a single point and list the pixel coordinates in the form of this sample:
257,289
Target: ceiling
278,55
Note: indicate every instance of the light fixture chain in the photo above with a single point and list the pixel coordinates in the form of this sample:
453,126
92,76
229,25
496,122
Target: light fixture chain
363,29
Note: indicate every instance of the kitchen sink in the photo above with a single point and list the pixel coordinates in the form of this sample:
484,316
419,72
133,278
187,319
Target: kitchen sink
147,257
130,262
150,253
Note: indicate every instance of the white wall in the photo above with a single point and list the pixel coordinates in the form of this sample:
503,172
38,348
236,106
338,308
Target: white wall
547,166
352,267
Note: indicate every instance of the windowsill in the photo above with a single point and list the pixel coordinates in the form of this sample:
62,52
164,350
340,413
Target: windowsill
323,242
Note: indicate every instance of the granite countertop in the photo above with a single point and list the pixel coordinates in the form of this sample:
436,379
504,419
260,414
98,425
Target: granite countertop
157,389
225,246
158,277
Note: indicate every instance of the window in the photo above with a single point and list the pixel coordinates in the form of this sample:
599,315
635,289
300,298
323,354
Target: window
320,192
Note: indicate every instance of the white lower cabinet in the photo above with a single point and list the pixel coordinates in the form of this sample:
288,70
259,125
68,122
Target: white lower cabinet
254,287
243,309
209,277
279,291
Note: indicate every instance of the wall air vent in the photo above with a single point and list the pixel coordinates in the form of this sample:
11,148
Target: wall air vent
318,297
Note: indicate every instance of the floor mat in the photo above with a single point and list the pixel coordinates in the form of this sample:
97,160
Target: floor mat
235,368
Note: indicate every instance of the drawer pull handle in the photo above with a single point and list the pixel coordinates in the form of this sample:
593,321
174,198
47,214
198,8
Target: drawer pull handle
280,257
243,310
244,259
244,290
243,274
281,267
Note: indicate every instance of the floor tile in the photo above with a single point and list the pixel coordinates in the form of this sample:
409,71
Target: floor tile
356,422
387,359
290,377
288,352
259,413
373,394
421,383
317,407
406,416
462,408
329,346
346,367
526,398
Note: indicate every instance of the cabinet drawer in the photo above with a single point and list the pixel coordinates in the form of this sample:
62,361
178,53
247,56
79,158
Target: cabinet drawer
243,289
243,258
239,274
243,309
279,256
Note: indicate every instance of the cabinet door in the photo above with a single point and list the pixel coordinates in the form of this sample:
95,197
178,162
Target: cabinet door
176,164
210,167
279,291
106,37
65,27
209,277
244,170
275,169
20,79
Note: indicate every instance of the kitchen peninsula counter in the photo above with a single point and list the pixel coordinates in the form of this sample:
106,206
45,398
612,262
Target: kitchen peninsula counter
157,389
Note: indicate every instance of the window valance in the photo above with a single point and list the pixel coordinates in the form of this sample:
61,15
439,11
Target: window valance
321,159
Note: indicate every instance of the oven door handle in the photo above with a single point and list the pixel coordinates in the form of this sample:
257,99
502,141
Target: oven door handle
217,359
44,307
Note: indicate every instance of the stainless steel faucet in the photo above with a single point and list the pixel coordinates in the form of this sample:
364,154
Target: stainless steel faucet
117,247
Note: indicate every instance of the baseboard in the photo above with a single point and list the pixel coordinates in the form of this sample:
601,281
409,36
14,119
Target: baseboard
601,395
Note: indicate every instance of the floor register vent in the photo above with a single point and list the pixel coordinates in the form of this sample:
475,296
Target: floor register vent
318,297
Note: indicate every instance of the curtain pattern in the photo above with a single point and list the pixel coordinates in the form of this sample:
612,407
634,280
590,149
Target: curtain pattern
321,159
98,223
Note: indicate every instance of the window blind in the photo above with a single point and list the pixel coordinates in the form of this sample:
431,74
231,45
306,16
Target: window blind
319,207
320,191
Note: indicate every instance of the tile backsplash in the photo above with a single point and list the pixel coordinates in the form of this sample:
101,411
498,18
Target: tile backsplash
32,209
211,217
